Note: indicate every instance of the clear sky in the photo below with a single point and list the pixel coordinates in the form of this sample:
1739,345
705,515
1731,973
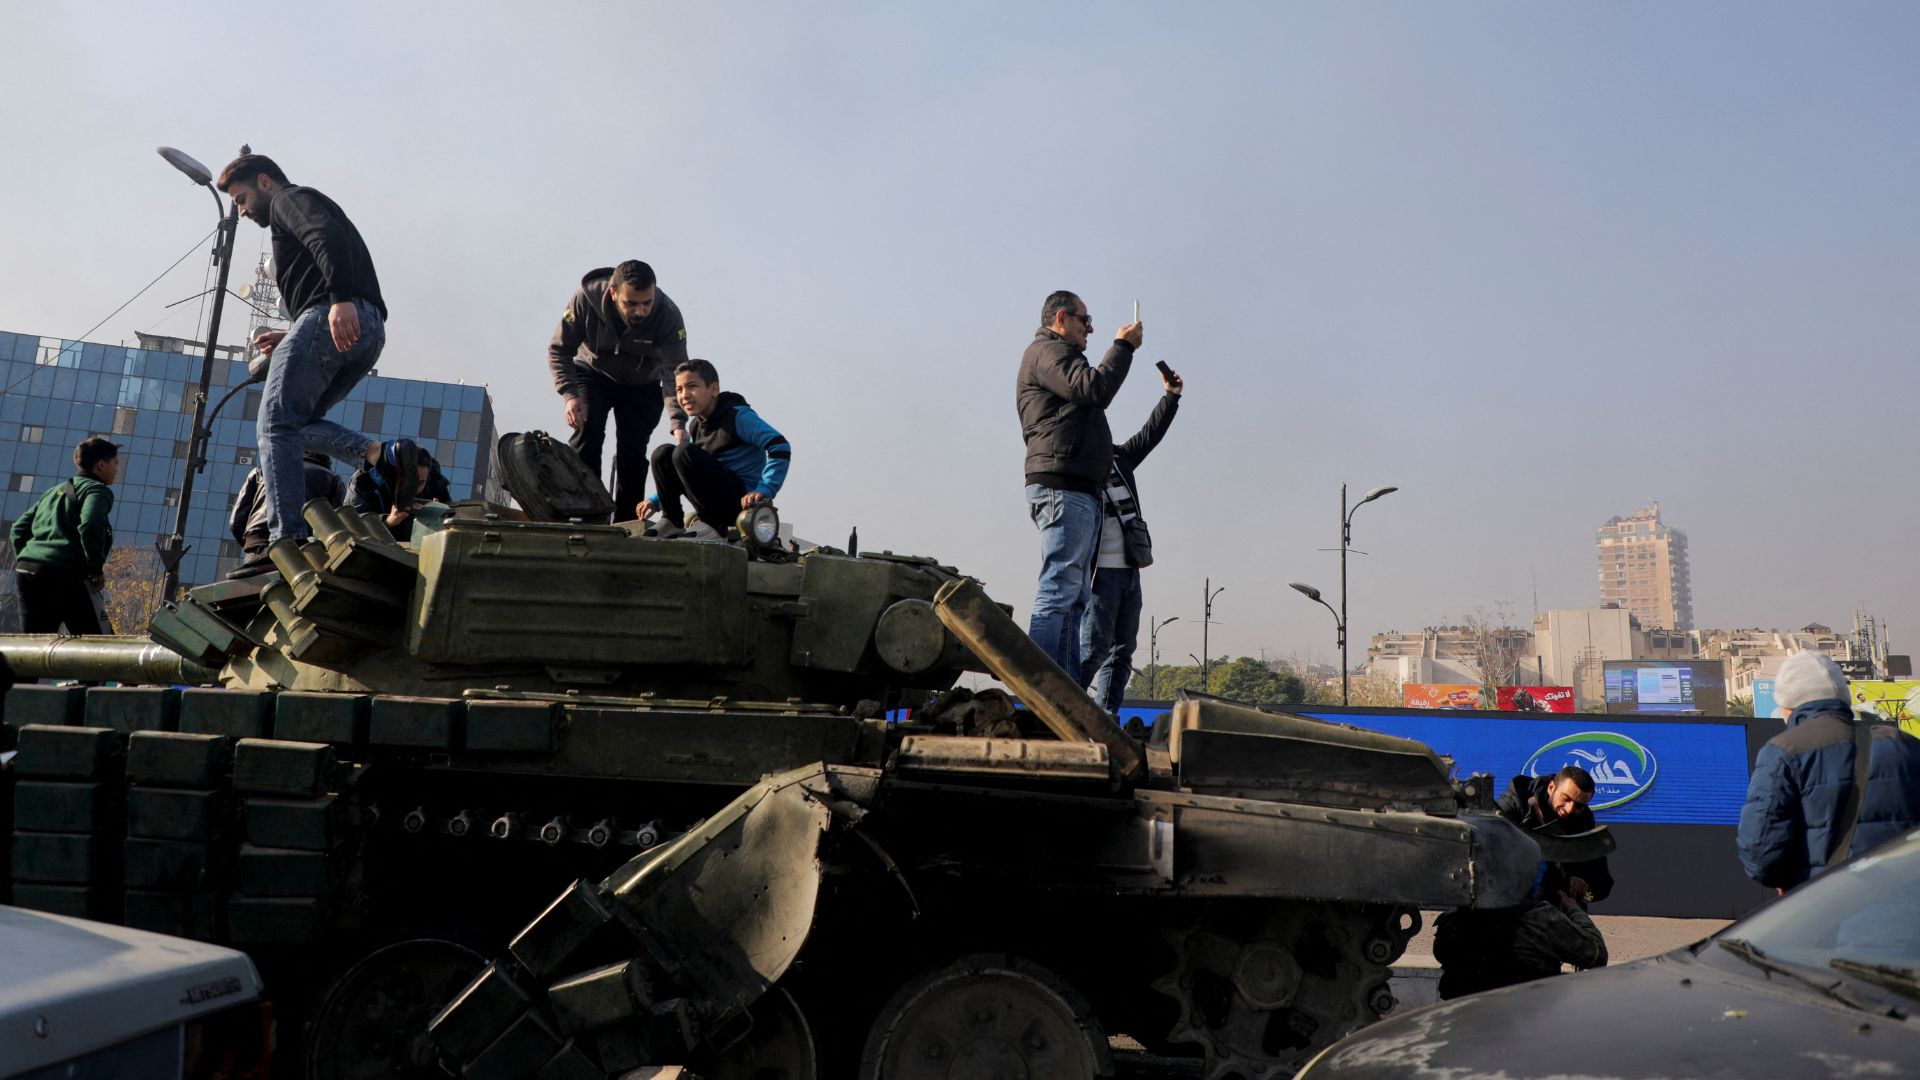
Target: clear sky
1536,264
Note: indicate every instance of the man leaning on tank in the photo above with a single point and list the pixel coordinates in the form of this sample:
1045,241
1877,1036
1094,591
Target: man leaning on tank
618,344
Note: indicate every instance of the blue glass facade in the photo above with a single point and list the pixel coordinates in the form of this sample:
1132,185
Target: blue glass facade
54,393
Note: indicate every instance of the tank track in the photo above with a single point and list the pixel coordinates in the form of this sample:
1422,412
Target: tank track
1263,987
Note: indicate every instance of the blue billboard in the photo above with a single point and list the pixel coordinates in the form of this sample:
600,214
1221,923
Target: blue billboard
1673,772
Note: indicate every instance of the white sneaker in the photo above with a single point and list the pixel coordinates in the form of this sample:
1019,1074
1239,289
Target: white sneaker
699,530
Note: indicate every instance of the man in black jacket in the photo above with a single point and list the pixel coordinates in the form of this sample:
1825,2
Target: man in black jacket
1557,805
329,290
616,349
1111,626
1062,401
248,519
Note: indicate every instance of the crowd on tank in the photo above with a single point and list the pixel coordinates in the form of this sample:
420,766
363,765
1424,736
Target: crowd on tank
1822,789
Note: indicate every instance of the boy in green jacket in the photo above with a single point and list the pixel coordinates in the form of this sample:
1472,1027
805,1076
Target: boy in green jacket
60,546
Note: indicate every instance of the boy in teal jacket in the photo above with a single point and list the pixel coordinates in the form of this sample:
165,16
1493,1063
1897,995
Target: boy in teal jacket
60,546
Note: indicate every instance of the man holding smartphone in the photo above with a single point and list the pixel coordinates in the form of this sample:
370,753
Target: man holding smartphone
1062,400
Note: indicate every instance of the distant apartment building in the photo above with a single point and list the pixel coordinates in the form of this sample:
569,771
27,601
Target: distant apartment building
57,392
1643,569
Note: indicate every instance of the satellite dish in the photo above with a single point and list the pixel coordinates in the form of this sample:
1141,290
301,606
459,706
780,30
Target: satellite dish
195,171
246,292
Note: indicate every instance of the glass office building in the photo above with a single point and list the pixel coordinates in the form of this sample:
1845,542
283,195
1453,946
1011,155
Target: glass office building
54,393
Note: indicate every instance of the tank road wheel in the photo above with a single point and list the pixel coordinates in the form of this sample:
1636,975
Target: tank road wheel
1263,987
780,1046
986,1017
373,1022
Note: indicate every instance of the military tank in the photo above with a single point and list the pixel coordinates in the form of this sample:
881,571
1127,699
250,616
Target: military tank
373,767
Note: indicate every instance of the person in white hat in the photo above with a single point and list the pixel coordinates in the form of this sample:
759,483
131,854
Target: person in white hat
1806,810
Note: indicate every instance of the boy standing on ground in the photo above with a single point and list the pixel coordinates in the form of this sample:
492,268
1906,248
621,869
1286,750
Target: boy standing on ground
731,458
60,546
329,290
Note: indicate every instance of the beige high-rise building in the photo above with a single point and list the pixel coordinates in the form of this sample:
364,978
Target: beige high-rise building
1643,569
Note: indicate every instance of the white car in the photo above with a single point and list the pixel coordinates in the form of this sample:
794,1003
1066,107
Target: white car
81,998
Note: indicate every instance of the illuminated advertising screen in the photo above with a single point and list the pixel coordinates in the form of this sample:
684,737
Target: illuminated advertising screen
1673,687
1676,772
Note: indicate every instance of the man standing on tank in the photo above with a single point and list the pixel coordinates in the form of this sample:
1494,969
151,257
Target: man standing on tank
329,290
616,349
1062,400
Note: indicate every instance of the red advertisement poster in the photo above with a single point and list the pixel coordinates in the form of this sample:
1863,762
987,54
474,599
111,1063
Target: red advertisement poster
1537,698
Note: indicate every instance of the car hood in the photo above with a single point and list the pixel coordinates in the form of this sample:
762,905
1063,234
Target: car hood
1672,1015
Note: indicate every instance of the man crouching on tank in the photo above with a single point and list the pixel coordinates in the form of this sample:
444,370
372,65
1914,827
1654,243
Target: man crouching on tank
1557,806
731,459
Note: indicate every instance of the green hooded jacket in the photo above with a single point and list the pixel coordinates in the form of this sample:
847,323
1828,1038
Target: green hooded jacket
68,528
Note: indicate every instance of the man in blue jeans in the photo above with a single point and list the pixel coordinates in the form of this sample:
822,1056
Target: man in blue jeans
1062,400
329,289
1111,627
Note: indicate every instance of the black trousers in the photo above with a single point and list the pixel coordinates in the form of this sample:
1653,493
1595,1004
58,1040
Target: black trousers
636,409
686,471
52,596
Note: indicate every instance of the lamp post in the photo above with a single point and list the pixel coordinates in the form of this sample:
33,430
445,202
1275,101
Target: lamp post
1153,649
1339,623
1206,621
174,547
1346,541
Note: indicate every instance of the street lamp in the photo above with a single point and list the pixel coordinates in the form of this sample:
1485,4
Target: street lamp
1339,623
174,547
1206,622
1346,541
1153,649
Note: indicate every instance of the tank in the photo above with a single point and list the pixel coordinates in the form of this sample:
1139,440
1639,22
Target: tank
552,799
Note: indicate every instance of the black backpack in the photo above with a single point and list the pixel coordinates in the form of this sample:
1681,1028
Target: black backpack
550,481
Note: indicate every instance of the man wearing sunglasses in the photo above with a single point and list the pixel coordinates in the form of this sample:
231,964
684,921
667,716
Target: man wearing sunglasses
1062,399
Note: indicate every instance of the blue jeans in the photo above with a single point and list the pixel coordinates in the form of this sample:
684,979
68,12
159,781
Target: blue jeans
308,376
1109,633
1069,524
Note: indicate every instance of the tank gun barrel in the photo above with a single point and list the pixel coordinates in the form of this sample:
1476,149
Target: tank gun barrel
94,659
1035,679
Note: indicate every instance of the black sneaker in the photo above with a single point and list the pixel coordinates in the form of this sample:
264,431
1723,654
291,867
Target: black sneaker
256,563
404,457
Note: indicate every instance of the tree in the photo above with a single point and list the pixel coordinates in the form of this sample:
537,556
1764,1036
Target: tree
1243,679
136,583
1249,680
1495,647
1375,689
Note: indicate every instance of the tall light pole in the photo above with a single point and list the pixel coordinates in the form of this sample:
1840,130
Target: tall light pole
1346,541
1206,621
174,547
1339,623
1153,648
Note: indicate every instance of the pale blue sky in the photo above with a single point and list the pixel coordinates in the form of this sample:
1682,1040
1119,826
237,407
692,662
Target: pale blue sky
1534,263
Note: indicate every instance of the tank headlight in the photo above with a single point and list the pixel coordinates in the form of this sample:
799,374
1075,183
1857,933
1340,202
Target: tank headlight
760,525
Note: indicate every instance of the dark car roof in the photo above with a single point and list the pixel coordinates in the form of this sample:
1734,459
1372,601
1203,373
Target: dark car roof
1675,1015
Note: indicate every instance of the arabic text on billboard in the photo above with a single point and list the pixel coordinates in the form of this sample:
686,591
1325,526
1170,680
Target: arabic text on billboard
1536,698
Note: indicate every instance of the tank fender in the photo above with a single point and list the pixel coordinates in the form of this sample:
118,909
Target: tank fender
728,905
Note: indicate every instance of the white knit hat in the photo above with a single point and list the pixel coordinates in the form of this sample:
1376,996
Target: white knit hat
1808,676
